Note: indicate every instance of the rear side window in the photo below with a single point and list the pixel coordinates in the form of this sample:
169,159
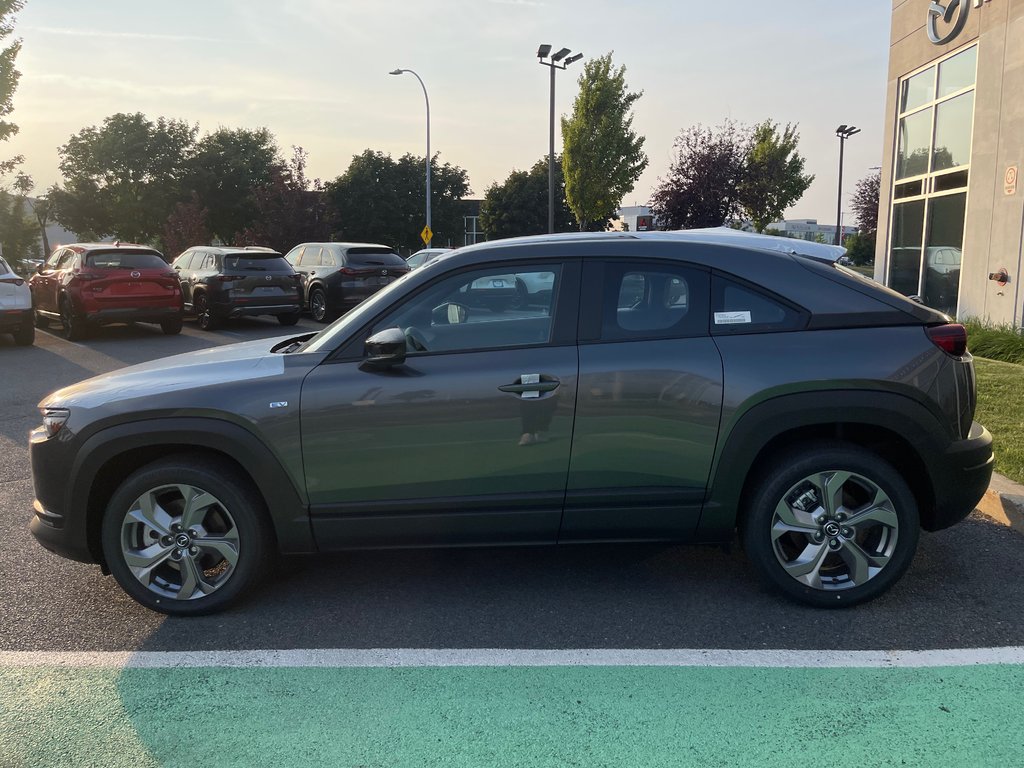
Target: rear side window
250,263
653,300
310,256
740,308
373,257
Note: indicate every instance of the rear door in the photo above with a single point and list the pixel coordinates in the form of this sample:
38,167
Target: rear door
367,269
44,283
650,400
181,266
122,279
260,279
468,442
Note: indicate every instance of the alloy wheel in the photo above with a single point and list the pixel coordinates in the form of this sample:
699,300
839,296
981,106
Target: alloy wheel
180,542
834,530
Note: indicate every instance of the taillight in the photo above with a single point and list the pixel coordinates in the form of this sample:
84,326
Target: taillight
12,280
950,338
229,278
347,271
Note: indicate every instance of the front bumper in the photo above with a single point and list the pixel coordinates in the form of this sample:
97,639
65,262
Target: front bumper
961,476
53,524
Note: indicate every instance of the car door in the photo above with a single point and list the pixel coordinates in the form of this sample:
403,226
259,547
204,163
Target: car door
467,442
650,400
44,283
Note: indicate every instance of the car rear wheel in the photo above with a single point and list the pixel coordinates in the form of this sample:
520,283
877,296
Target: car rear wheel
318,306
291,319
830,524
204,315
25,336
73,325
171,327
185,537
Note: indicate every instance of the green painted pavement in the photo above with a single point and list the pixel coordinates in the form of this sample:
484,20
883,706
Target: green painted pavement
501,716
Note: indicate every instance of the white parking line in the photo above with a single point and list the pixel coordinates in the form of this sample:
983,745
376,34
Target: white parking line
496,657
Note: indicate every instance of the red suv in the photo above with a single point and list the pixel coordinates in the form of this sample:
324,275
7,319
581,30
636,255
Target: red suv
101,283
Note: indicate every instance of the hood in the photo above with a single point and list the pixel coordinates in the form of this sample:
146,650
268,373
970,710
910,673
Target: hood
216,365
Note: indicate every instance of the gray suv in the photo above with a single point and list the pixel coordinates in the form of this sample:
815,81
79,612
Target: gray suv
670,387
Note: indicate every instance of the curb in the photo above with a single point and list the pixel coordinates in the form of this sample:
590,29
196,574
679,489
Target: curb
1004,503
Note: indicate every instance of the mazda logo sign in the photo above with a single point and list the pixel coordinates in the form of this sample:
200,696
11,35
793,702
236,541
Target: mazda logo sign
945,22
268,278
136,274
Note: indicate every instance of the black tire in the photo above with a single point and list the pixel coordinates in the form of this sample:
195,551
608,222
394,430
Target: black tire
204,314
291,319
238,514
41,322
825,541
25,336
75,328
318,307
171,327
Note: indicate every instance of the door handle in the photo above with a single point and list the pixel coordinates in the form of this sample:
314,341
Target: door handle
531,385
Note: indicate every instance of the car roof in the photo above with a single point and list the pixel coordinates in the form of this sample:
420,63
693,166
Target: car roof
114,246
713,236
222,250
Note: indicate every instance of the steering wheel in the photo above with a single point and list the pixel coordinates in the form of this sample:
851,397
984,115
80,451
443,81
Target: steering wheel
416,339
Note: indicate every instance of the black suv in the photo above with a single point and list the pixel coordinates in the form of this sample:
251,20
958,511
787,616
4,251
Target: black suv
220,283
338,276
668,387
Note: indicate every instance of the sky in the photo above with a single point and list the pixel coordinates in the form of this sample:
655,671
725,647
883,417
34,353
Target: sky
315,72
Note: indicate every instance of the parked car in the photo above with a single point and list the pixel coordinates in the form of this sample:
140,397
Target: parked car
15,306
672,387
88,284
425,256
218,283
338,276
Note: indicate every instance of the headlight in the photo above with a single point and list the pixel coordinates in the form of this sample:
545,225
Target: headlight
53,419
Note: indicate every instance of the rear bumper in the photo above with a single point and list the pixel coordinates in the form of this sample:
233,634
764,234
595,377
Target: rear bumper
15,318
243,310
133,315
961,476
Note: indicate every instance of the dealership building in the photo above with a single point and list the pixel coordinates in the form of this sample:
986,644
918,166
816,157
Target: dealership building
951,217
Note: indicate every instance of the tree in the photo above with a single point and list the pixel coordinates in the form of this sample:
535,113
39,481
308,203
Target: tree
123,178
381,200
702,187
865,201
19,234
861,248
773,176
603,156
289,208
519,205
186,226
9,77
225,170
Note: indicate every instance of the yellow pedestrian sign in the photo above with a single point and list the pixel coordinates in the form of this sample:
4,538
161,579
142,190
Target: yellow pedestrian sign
426,235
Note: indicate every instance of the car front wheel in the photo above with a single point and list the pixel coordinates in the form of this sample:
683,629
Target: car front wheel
830,524
185,537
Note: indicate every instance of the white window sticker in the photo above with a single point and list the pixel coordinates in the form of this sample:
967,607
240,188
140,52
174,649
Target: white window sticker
732,318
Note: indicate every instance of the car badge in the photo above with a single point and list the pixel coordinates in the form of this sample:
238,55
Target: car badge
136,274
268,278
384,272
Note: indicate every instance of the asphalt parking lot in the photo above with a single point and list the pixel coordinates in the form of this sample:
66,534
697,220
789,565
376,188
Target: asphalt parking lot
962,592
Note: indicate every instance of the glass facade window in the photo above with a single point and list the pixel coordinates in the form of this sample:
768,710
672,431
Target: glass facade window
934,134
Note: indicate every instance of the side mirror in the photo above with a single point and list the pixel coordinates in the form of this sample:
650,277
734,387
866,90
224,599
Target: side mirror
385,349
449,314
39,268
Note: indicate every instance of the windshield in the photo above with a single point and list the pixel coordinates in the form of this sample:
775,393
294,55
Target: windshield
125,260
331,336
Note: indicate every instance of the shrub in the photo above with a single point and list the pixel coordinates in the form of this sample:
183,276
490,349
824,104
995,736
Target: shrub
1000,342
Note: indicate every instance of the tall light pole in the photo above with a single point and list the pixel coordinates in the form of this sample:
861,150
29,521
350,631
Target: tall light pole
429,230
543,53
843,132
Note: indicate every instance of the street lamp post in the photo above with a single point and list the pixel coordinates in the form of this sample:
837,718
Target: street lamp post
544,52
427,100
843,132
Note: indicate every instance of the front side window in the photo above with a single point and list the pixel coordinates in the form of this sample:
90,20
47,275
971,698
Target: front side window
492,308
